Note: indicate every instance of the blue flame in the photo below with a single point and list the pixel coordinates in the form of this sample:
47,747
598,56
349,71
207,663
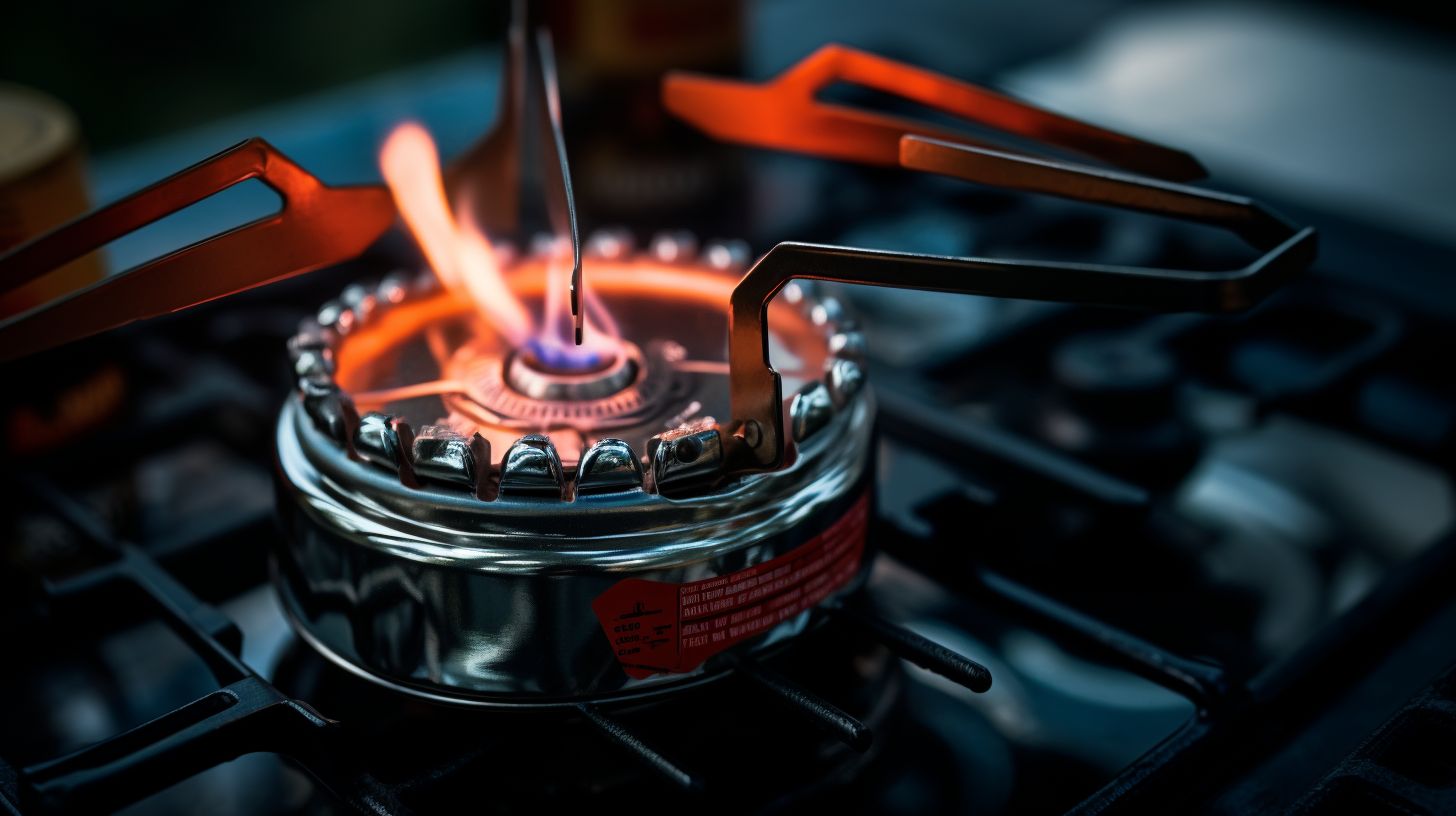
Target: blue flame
563,357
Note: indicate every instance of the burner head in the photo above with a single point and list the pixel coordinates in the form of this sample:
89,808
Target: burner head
494,525
425,357
539,376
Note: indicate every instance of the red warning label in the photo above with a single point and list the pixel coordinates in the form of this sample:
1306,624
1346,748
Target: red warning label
656,627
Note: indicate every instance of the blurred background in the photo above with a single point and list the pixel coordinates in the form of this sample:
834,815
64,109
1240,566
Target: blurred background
138,71
1347,103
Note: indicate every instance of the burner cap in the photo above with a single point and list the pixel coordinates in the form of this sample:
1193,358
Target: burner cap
527,374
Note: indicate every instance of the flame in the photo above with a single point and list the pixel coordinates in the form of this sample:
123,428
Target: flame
465,262
554,345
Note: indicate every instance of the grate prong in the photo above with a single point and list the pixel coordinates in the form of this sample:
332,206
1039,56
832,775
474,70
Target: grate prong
624,738
923,652
822,713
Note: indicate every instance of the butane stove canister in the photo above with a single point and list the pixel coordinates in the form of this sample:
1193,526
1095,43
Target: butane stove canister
484,524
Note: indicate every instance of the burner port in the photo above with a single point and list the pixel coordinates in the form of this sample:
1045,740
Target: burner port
527,374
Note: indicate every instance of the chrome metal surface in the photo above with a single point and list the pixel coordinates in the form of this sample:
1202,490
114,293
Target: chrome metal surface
527,376
532,467
845,380
673,247
686,458
810,411
333,414
444,455
850,345
437,593
514,393
376,440
731,255
612,244
610,466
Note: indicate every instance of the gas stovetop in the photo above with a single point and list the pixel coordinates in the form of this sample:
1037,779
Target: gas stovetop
1114,562
1234,580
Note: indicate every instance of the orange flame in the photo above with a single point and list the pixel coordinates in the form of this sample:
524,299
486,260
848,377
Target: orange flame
460,255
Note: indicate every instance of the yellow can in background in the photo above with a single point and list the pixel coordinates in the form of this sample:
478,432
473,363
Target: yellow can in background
42,185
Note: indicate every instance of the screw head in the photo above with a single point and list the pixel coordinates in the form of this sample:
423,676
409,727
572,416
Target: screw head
688,449
752,433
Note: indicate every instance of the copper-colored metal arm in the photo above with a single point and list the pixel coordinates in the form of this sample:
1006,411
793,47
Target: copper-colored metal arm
784,114
757,435
1242,216
316,226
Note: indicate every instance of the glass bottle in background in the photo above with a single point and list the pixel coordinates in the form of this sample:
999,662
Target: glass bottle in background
632,164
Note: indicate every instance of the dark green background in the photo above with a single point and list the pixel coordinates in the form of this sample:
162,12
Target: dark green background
134,70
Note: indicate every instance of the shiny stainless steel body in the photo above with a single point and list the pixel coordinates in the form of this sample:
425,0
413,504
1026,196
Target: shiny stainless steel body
435,592
405,565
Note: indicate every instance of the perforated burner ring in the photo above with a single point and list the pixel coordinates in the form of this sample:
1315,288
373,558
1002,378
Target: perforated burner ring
514,391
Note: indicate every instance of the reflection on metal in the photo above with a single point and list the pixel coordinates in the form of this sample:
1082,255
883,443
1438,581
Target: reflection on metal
508,616
784,114
610,466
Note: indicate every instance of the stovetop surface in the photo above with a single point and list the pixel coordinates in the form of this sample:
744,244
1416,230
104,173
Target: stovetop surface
1205,559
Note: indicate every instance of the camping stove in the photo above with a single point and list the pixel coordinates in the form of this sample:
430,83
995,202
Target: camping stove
473,522
508,483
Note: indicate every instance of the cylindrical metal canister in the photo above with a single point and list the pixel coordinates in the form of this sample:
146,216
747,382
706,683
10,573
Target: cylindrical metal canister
582,559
